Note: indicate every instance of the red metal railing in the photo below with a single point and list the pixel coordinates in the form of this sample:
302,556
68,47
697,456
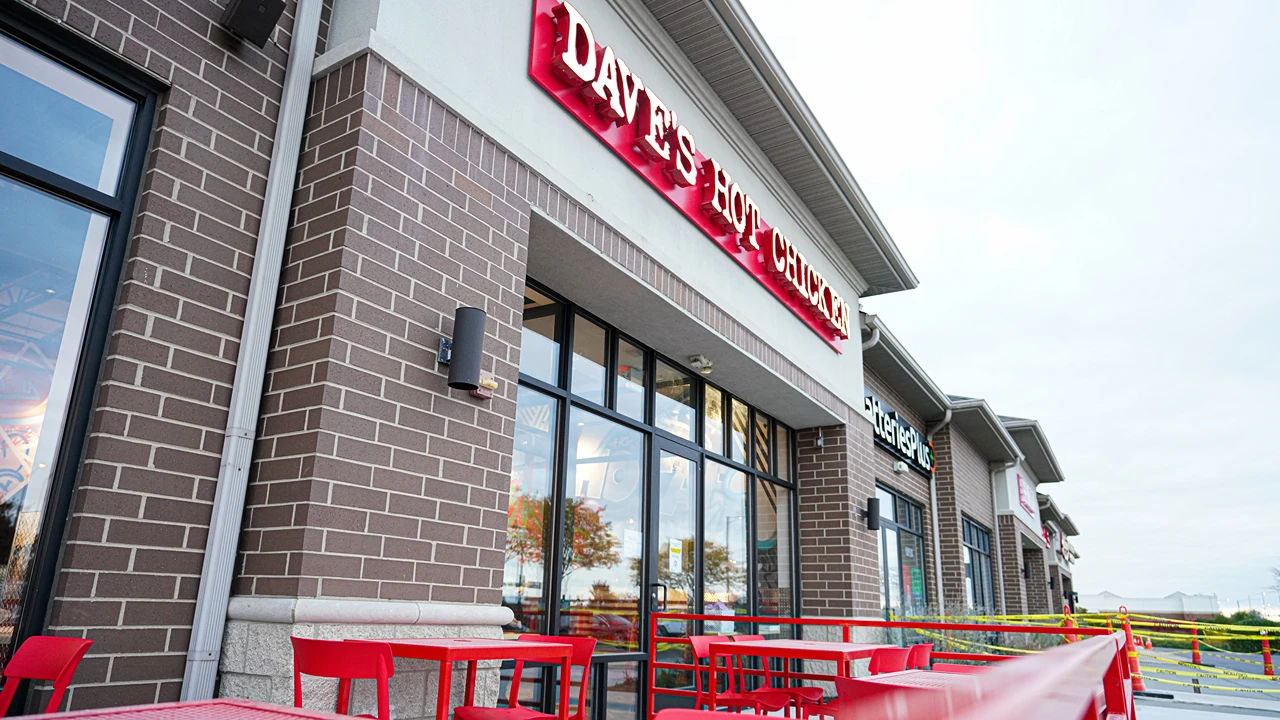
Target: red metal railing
1085,679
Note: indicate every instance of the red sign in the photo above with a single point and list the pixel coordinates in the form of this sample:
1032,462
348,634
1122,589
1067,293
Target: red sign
598,88
1024,496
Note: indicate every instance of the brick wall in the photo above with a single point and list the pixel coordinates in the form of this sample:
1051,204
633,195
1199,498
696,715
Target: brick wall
964,489
1015,588
1038,601
372,478
839,574
1055,592
910,484
137,529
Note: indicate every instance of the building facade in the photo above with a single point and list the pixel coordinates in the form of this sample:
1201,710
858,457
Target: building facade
228,273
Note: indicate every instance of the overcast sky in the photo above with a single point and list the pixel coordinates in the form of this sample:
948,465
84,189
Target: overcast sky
1089,193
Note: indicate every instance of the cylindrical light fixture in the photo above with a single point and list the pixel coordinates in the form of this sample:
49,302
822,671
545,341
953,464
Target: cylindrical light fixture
873,513
468,348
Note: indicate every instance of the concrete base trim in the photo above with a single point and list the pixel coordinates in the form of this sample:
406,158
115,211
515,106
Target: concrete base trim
364,612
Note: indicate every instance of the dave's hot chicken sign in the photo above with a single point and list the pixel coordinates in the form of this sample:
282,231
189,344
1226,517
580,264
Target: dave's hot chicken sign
598,88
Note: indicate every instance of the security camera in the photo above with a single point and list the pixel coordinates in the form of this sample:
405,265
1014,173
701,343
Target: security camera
701,363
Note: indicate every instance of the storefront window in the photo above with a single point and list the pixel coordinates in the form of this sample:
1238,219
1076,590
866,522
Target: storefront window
740,431
588,360
630,389
77,134
713,420
978,584
675,409
901,553
773,549
724,550
600,585
540,337
782,445
641,505
529,510
763,442
60,120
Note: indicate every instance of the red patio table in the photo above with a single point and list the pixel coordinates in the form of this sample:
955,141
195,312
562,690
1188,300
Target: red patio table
217,709
447,651
842,653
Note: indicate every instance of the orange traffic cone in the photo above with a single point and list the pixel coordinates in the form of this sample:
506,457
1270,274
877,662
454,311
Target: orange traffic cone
1134,669
1148,645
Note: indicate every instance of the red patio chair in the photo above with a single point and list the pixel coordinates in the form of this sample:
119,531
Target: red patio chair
965,669
737,697
887,660
583,647
43,657
918,658
799,695
345,661
686,714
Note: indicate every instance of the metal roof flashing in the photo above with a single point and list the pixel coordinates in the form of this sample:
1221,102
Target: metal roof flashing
891,362
975,418
1035,445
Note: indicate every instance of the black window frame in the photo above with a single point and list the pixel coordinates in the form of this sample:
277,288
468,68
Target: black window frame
976,538
48,38
566,400
914,525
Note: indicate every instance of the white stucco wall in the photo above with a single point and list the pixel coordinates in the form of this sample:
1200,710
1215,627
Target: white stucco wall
474,56
1007,496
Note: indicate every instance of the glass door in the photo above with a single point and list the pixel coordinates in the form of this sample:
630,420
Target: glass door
673,559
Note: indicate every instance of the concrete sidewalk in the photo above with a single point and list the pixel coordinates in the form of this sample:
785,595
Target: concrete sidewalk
1190,706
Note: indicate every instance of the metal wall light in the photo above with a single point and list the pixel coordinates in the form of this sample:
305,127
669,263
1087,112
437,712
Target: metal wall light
872,513
463,352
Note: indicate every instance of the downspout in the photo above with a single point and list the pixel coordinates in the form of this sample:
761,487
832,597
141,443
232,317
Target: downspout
875,335
933,512
995,528
203,652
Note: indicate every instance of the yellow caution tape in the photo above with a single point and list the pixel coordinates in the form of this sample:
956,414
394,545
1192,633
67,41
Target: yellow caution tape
971,643
1222,675
1211,687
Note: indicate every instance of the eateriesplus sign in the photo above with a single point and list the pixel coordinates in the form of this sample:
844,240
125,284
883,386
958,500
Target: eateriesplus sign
598,88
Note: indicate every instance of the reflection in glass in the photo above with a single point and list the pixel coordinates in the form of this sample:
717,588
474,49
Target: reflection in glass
969,570
740,419
713,420
603,538
528,511
912,572
49,255
762,444
886,503
588,360
782,463
622,682
773,548
56,118
986,583
540,337
892,570
630,385
724,548
677,559
673,405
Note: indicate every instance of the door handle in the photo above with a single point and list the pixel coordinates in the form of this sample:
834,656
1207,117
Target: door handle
653,597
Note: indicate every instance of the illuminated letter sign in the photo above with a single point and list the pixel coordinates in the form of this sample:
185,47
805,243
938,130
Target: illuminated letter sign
897,436
595,85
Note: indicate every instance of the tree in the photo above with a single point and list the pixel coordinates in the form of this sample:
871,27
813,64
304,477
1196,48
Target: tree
718,568
591,544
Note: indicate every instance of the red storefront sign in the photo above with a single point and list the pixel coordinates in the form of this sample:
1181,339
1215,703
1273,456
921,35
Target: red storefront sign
597,88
